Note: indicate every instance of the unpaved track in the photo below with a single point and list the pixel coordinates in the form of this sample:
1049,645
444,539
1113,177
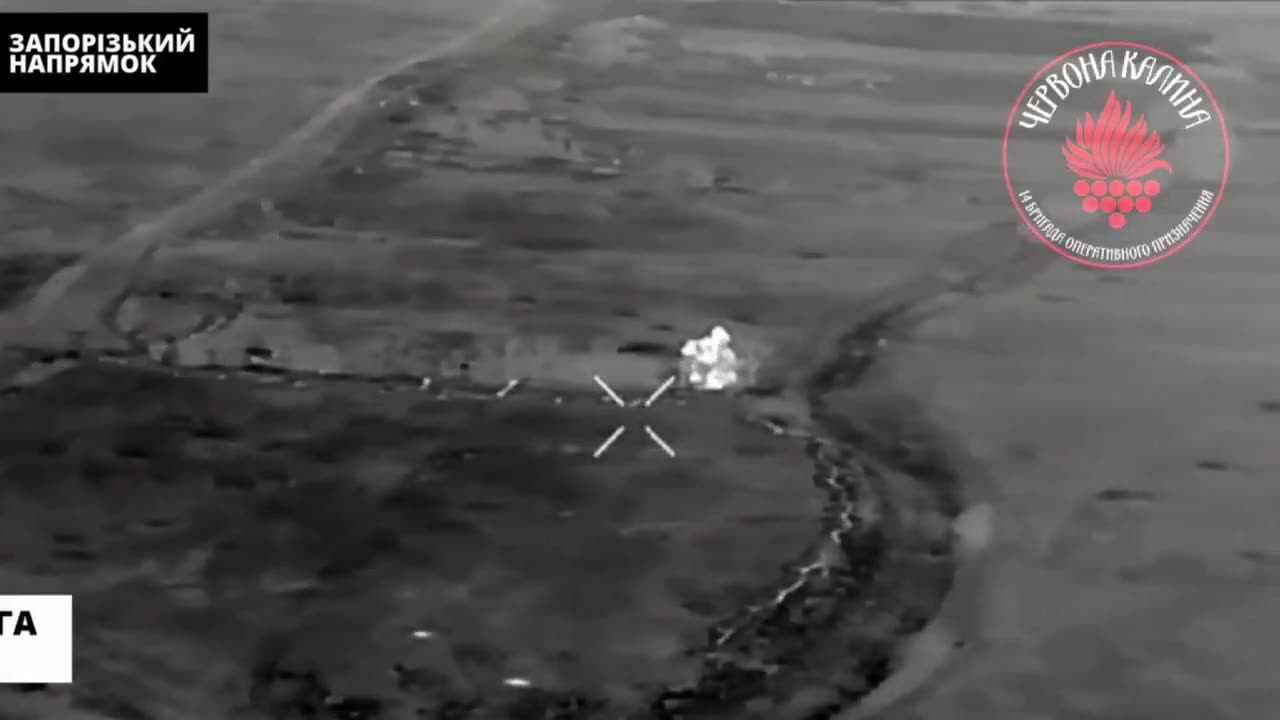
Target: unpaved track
75,298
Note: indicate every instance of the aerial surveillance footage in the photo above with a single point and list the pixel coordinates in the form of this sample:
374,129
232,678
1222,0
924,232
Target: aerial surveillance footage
639,360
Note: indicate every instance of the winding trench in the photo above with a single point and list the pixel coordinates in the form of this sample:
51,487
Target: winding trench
843,584
830,625
819,637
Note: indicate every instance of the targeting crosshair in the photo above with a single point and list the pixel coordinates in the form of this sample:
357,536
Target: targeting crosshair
648,430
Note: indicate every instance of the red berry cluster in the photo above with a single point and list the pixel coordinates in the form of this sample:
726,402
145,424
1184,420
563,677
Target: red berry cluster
1117,198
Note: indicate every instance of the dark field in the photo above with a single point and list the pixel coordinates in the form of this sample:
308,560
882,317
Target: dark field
265,439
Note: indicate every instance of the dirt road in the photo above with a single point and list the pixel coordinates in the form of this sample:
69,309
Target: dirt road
624,178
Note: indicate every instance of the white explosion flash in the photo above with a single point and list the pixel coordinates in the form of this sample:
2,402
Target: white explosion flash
710,362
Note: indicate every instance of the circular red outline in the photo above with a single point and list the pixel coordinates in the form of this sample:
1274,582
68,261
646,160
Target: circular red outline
1226,140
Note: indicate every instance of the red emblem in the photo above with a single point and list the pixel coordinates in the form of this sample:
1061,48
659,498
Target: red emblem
1113,158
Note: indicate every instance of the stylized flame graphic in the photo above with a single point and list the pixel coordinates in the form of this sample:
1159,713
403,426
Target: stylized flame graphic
1112,148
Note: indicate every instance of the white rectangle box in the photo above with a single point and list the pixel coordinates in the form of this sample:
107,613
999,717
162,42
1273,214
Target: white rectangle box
35,639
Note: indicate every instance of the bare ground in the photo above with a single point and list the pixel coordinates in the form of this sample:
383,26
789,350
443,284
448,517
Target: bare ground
101,164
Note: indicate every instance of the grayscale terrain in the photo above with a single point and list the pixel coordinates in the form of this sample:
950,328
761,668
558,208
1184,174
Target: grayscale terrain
258,350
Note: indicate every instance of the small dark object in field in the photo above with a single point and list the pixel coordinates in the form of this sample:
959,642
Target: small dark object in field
1218,465
644,347
1125,495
